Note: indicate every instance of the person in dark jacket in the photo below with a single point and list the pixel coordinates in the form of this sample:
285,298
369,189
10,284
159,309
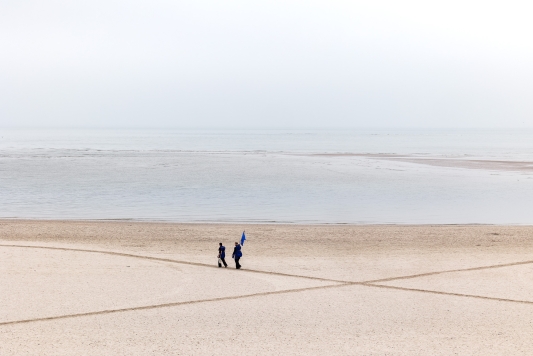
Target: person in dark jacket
237,254
222,255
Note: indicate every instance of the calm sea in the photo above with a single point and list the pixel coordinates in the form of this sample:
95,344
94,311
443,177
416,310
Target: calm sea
290,176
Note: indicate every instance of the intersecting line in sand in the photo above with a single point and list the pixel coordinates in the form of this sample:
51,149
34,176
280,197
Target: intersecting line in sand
338,284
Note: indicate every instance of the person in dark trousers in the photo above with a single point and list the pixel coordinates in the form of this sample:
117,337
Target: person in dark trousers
237,254
222,255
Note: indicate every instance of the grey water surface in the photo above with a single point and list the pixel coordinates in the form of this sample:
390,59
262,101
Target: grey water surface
290,176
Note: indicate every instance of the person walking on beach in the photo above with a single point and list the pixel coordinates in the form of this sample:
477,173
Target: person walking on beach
237,254
222,255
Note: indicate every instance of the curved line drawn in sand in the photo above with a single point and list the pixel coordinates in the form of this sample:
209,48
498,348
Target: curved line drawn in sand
448,271
167,305
339,283
448,293
276,273
113,253
159,259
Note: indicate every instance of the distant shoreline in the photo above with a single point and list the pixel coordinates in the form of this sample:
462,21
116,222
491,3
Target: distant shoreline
170,222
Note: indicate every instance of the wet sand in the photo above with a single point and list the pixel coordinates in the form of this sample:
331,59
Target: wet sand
131,288
468,163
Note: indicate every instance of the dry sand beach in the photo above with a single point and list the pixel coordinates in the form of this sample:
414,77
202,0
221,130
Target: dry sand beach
132,288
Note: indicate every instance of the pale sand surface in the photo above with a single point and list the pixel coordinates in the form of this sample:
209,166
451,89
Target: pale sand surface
170,304
484,164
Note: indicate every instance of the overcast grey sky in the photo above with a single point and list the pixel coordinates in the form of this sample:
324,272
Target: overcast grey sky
266,63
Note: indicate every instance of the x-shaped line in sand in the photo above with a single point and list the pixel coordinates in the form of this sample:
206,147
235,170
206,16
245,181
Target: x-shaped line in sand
338,284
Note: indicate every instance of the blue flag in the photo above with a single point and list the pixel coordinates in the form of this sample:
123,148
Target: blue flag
243,238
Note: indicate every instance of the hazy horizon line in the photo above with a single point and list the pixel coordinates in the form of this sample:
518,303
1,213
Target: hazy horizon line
266,128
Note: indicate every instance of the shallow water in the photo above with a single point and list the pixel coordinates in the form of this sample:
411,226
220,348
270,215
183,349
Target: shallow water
303,176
